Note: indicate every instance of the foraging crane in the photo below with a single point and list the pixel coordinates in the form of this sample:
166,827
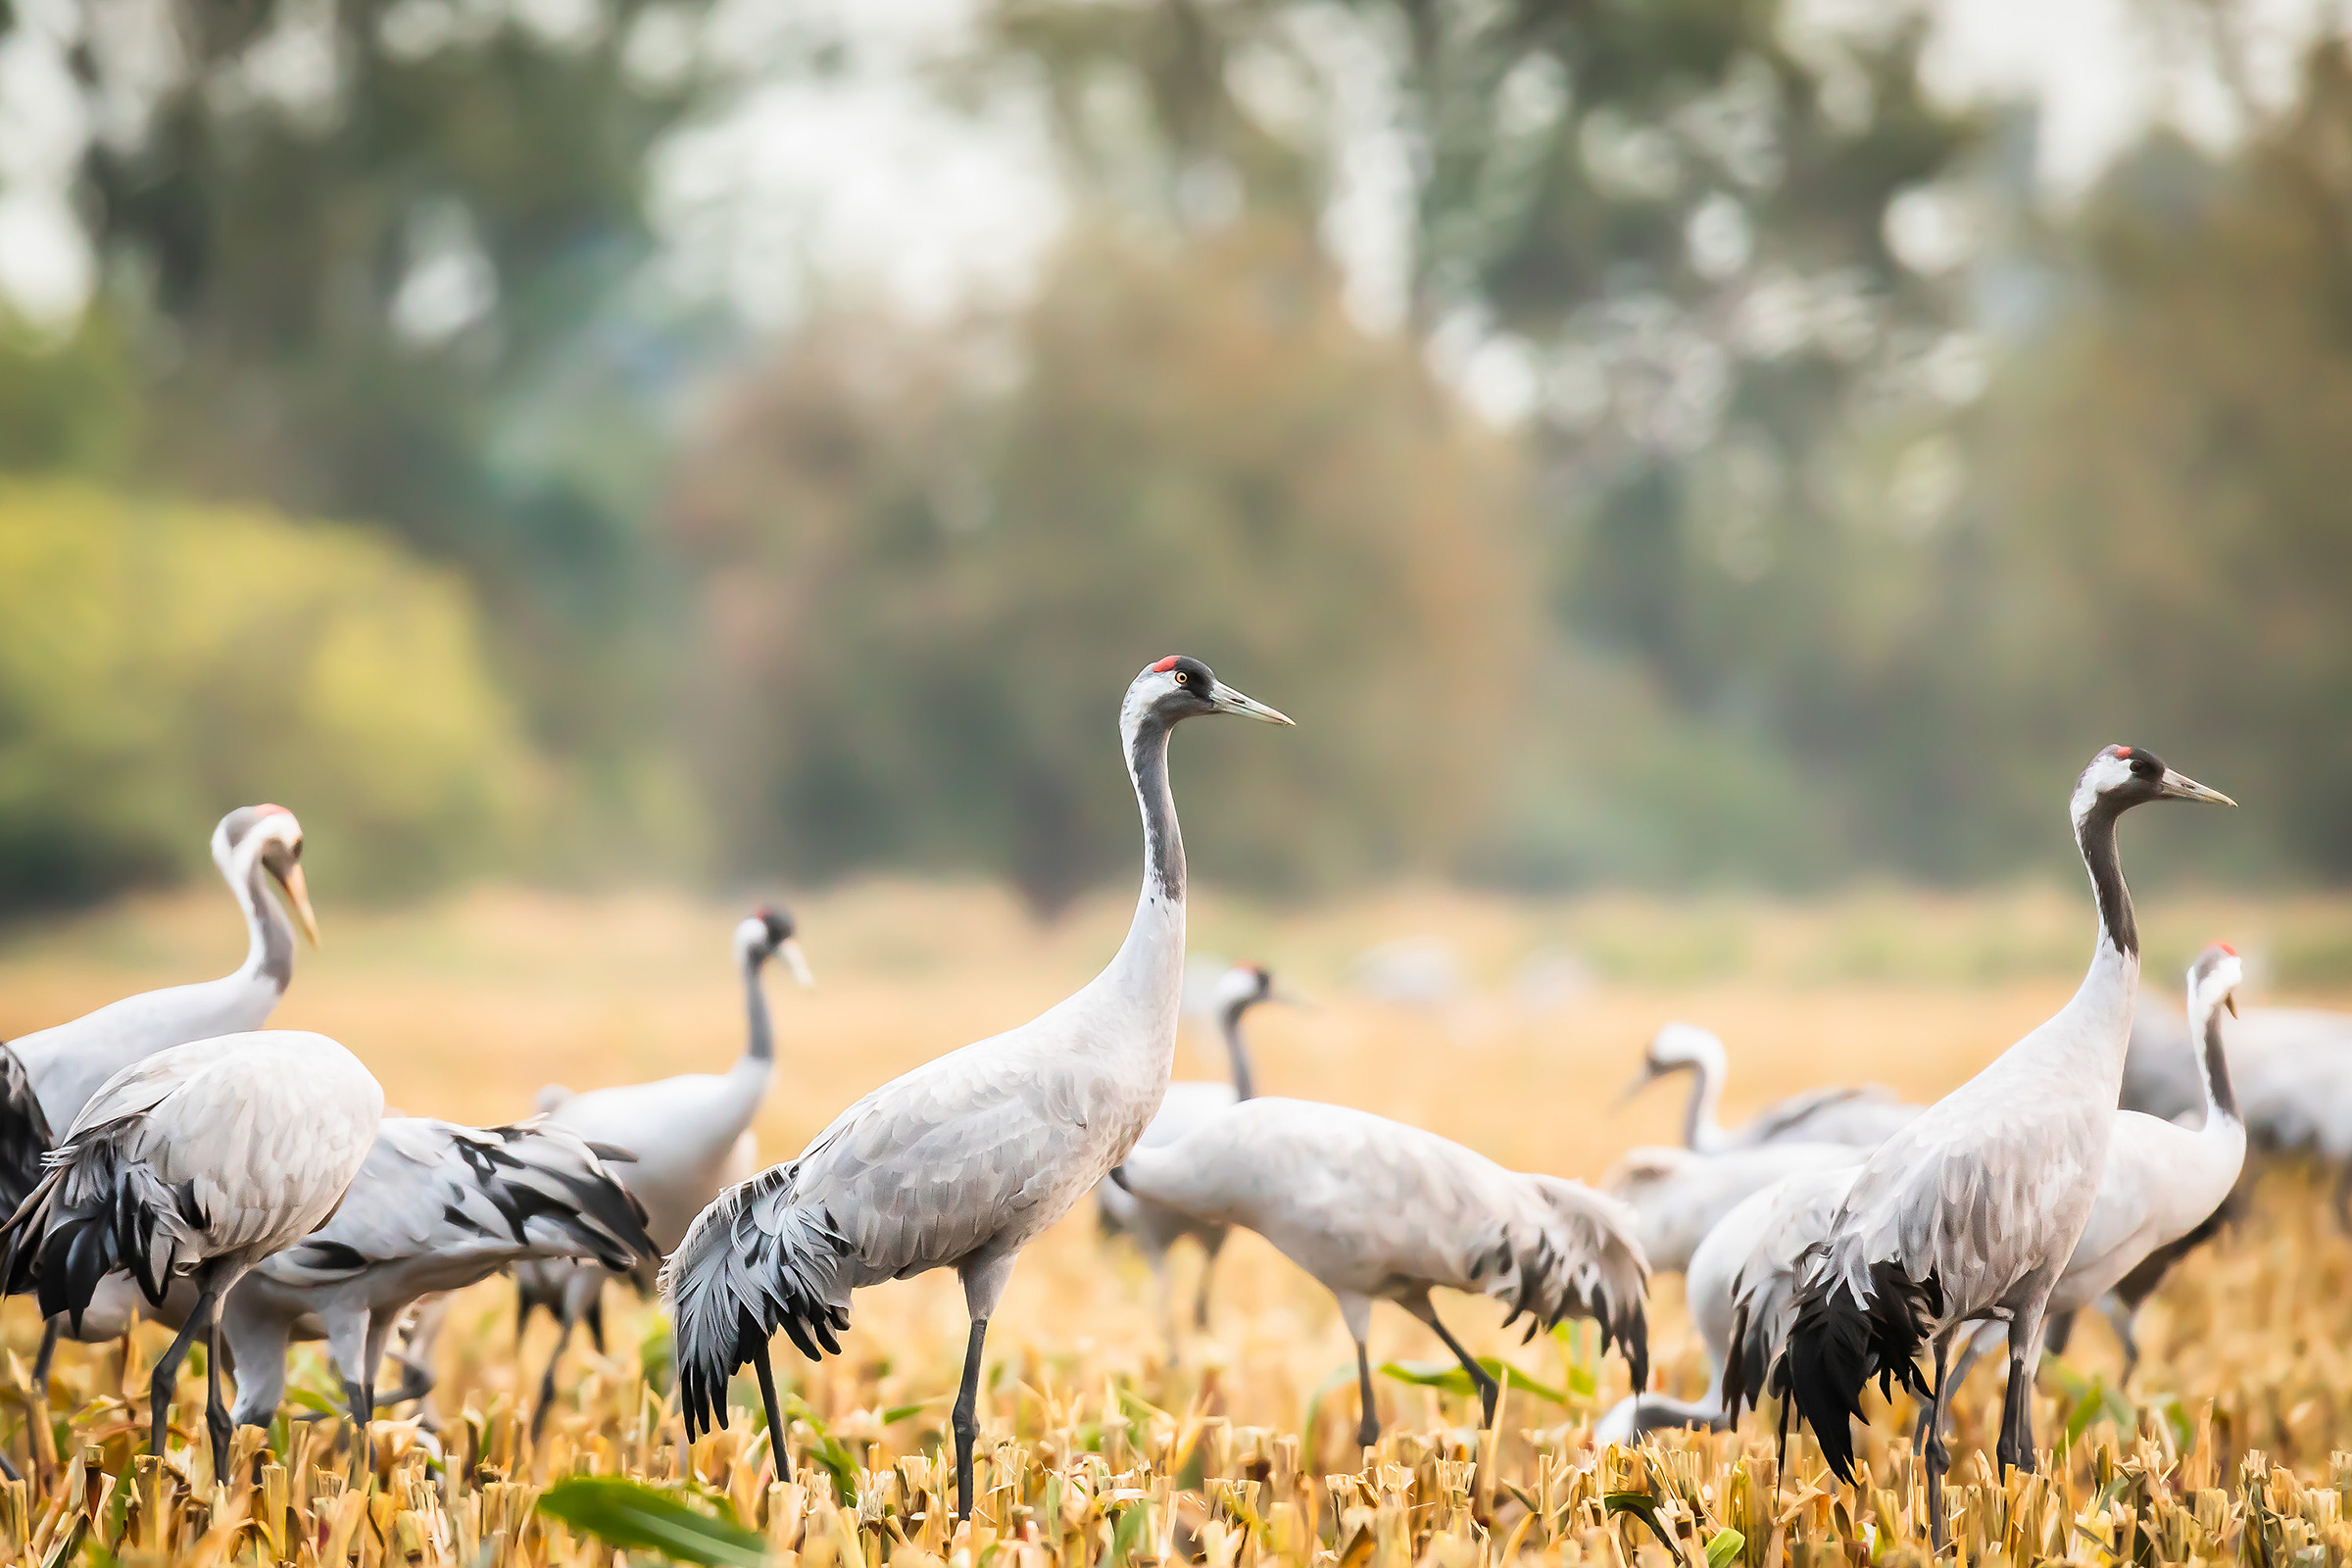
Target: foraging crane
1862,1115
254,847
1740,1289
963,1162
1377,1210
690,1138
1974,1208
1155,1228
2160,1181
1679,1196
435,1207
201,1160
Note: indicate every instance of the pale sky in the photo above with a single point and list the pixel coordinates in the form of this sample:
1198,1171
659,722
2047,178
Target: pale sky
864,183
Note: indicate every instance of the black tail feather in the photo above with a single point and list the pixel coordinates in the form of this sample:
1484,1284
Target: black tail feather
24,1134
1839,1343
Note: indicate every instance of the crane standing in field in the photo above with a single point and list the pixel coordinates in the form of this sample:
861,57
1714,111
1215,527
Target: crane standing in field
1862,1115
1377,1210
50,1075
201,1160
964,1160
2162,1181
1154,1227
688,1138
435,1207
1972,1209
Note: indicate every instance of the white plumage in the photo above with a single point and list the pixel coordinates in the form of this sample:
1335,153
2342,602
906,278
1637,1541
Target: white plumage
200,1161
1861,1115
1972,1209
1377,1210
1154,1227
961,1163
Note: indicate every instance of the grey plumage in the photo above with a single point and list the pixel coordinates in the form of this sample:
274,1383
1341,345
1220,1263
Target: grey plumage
1154,1228
436,1207
199,1161
1378,1210
1678,1196
1972,1209
961,1163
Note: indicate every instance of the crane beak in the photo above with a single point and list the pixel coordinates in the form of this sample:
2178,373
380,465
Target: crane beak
2231,1001
1641,1081
789,949
298,894
1229,701
2180,787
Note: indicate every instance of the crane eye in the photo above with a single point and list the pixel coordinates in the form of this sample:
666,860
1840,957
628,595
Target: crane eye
1182,678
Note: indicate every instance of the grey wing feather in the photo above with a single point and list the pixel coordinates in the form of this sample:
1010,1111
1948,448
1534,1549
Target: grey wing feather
493,1193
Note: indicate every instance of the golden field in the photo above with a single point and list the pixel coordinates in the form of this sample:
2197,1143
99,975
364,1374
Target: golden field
1236,1448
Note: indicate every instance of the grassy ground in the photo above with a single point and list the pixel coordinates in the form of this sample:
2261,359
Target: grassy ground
464,1009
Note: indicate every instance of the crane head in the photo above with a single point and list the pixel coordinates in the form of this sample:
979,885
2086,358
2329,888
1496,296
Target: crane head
268,836
2214,979
768,932
2122,776
1180,687
1674,1047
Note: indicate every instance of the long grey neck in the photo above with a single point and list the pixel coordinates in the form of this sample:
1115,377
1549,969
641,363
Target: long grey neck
1163,840
761,1043
1698,1116
1237,1051
2213,1065
2095,834
270,948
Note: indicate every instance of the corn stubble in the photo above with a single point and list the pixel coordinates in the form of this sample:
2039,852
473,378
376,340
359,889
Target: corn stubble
1087,1461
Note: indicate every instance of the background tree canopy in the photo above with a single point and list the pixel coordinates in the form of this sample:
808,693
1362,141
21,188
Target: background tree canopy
1727,469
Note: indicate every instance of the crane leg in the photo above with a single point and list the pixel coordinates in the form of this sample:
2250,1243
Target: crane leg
1935,1434
1208,1269
777,1432
217,1424
51,1331
967,1419
547,1382
362,1411
2124,1319
165,1377
1488,1391
1367,1429
2016,1446
1934,1452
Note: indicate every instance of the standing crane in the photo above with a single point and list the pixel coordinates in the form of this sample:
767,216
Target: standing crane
1862,1115
1154,1227
1972,1209
1377,1210
963,1162
2162,1180
689,1137
201,1160
435,1207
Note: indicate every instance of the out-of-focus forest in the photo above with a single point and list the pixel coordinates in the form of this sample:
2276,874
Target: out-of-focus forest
1739,473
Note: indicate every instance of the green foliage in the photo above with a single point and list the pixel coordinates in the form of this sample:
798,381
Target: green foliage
1448,1376
633,1517
160,664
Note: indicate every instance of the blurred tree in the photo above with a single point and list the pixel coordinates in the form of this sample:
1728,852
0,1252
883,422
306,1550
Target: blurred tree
369,251
930,564
161,663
